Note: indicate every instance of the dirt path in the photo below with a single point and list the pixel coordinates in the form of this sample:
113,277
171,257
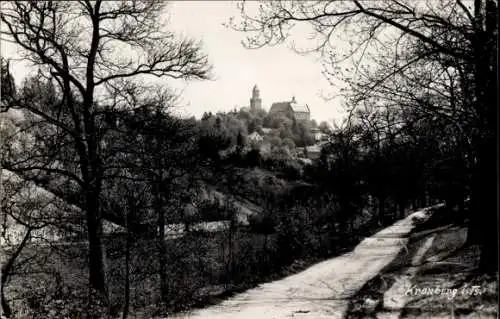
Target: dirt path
435,278
323,290
395,297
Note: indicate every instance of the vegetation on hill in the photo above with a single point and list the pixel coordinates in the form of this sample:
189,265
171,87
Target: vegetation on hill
277,130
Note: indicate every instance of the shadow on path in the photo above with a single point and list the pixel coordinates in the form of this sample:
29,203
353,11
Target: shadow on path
444,262
369,299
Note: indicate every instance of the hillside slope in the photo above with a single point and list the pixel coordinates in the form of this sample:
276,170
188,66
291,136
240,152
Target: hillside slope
16,128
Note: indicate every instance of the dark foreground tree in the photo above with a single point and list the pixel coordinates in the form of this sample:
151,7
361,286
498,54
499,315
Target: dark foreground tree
8,87
461,32
80,45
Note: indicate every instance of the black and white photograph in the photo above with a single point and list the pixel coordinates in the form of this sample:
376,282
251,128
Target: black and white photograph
328,159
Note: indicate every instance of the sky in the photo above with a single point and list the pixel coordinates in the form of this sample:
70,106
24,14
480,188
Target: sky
279,72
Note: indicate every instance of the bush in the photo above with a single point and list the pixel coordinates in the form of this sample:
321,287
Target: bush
253,158
254,258
209,212
262,223
298,234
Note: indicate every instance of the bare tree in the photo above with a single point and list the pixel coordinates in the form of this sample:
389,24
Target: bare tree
153,148
33,216
80,45
452,30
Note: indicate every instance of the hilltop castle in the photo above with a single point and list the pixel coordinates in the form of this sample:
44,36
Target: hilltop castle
255,100
291,108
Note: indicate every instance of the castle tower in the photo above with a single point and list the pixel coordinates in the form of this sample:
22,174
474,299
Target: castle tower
255,101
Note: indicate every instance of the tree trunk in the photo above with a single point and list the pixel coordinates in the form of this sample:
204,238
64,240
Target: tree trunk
6,272
97,254
483,214
158,205
421,200
486,222
229,265
381,211
128,244
7,312
92,170
401,210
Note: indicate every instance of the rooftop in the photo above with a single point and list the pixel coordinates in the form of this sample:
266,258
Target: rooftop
282,106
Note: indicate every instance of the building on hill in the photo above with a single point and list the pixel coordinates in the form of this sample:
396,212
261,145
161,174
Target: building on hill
255,100
318,135
255,138
291,108
311,152
267,130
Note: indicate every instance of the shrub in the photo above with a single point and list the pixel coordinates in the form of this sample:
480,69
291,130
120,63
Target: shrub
262,223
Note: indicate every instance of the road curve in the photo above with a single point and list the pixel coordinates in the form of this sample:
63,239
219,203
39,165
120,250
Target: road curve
324,289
